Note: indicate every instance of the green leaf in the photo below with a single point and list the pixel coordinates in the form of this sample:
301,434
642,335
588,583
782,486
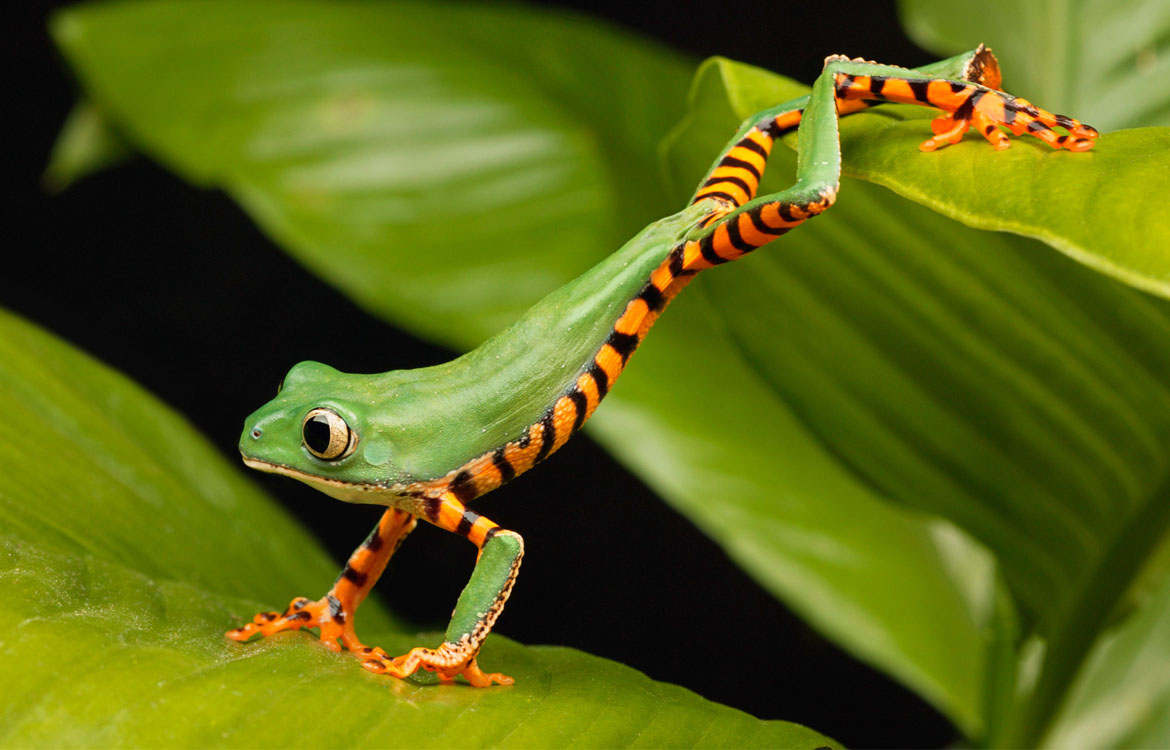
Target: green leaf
127,547
1107,62
87,143
968,374
393,120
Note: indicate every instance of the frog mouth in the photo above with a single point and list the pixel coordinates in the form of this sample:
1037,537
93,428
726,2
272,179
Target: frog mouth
350,492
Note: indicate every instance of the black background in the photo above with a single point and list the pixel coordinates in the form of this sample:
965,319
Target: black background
150,275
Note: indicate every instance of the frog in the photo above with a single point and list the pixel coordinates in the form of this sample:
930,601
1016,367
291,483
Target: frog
424,443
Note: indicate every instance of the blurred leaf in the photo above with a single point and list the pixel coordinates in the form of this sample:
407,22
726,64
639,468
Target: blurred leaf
352,131
1122,696
85,145
1107,61
985,380
127,547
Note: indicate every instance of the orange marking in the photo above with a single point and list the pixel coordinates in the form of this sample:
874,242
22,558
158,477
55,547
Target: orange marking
609,360
628,323
739,172
751,157
479,530
788,119
751,235
693,257
522,459
587,385
450,512
940,94
564,415
771,216
721,244
735,191
662,276
761,139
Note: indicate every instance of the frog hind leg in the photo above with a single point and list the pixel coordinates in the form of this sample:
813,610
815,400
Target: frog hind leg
965,103
482,600
334,613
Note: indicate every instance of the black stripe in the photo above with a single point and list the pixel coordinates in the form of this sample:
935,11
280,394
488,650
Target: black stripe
876,84
707,248
731,161
652,297
334,607
1065,122
601,379
758,220
466,521
1035,126
501,462
374,541
463,487
1010,110
581,403
624,343
718,194
737,240
490,533
356,577
963,111
958,87
733,180
676,260
770,128
431,508
525,440
785,211
918,88
751,145
842,82
548,435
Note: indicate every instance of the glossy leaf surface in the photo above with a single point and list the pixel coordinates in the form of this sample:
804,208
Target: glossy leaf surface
122,538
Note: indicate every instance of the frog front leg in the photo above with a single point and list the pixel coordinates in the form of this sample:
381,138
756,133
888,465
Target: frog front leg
334,612
482,600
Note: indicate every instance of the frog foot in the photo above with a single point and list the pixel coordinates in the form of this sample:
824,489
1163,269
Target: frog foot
325,613
987,110
448,661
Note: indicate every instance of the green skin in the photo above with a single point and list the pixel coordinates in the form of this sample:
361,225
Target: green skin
422,424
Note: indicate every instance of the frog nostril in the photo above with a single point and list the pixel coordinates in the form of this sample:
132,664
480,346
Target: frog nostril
256,433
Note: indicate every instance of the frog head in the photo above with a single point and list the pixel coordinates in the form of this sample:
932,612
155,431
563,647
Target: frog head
324,428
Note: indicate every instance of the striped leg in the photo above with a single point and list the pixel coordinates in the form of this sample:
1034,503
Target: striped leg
740,222
735,176
334,612
482,600
965,104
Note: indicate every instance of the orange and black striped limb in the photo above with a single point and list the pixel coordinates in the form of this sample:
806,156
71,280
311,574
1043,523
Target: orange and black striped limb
967,105
334,612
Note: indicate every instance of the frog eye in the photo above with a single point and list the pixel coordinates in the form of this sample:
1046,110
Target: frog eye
326,435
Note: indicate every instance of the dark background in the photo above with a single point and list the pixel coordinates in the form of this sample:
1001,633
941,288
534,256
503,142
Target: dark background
150,275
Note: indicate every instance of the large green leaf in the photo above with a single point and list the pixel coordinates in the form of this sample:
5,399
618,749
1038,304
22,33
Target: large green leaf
1107,61
350,131
969,374
835,561
127,547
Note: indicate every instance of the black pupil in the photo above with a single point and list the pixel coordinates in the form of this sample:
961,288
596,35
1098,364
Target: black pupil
316,433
